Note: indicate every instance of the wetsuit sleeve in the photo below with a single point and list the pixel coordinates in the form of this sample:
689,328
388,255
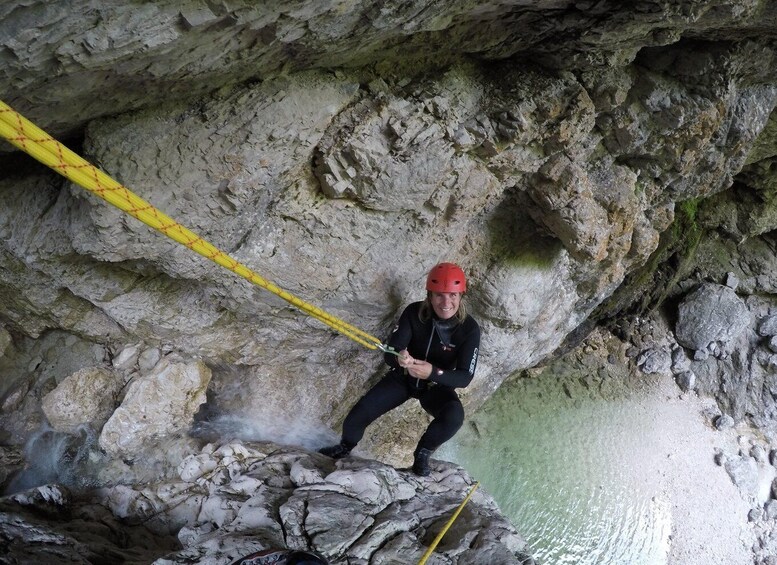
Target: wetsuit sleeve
400,338
466,363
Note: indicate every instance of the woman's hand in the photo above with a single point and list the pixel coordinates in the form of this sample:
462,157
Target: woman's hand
420,369
404,359
414,367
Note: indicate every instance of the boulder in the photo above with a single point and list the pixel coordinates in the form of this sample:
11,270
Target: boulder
85,397
708,314
156,405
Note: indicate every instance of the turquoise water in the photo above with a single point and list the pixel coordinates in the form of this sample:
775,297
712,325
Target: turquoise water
578,475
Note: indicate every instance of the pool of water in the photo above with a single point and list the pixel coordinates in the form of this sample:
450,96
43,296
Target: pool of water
594,480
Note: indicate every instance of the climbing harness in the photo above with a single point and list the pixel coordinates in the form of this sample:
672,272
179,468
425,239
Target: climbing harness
32,140
448,524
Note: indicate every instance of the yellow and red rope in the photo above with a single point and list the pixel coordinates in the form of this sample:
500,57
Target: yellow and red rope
29,138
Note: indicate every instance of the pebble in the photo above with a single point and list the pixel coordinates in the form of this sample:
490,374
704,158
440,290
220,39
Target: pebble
724,422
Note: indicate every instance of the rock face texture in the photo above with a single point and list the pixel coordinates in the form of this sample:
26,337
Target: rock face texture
85,397
341,150
231,500
711,313
159,404
579,159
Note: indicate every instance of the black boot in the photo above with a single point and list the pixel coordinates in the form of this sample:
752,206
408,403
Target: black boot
421,461
336,451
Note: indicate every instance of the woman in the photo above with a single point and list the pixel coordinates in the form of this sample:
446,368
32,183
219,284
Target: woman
438,352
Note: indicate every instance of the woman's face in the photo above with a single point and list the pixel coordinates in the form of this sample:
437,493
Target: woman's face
445,304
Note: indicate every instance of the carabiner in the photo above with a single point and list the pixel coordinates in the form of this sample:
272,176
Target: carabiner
387,349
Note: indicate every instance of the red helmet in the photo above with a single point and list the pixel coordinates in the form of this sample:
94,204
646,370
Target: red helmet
446,277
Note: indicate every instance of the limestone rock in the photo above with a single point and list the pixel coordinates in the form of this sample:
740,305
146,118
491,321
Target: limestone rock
127,357
177,41
11,460
85,397
45,525
686,380
345,186
724,422
5,340
770,509
744,473
655,360
732,281
238,494
148,358
156,405
243,498
768,326
710,313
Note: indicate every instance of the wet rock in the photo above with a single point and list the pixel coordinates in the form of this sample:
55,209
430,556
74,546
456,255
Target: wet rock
11,460
16,396
237,498
85,397
710,313
156,405
46,525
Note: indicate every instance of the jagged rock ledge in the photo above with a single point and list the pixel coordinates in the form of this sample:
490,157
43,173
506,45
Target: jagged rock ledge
237,498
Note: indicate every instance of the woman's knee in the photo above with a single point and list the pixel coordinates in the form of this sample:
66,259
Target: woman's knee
453,414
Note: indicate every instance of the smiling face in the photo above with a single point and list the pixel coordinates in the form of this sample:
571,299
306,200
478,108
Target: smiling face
445,304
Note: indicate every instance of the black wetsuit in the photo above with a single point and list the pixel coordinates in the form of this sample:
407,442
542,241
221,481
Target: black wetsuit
451,348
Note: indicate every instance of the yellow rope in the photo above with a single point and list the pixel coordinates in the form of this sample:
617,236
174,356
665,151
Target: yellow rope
448,524
29,138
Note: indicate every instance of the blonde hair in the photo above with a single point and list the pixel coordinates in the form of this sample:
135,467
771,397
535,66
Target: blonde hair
426,310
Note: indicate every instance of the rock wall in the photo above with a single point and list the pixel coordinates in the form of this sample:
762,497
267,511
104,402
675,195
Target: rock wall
544,148
229,501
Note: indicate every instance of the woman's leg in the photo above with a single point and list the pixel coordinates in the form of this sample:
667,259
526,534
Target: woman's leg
444,405
389,393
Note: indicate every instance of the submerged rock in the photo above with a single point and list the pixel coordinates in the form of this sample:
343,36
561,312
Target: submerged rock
238,498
